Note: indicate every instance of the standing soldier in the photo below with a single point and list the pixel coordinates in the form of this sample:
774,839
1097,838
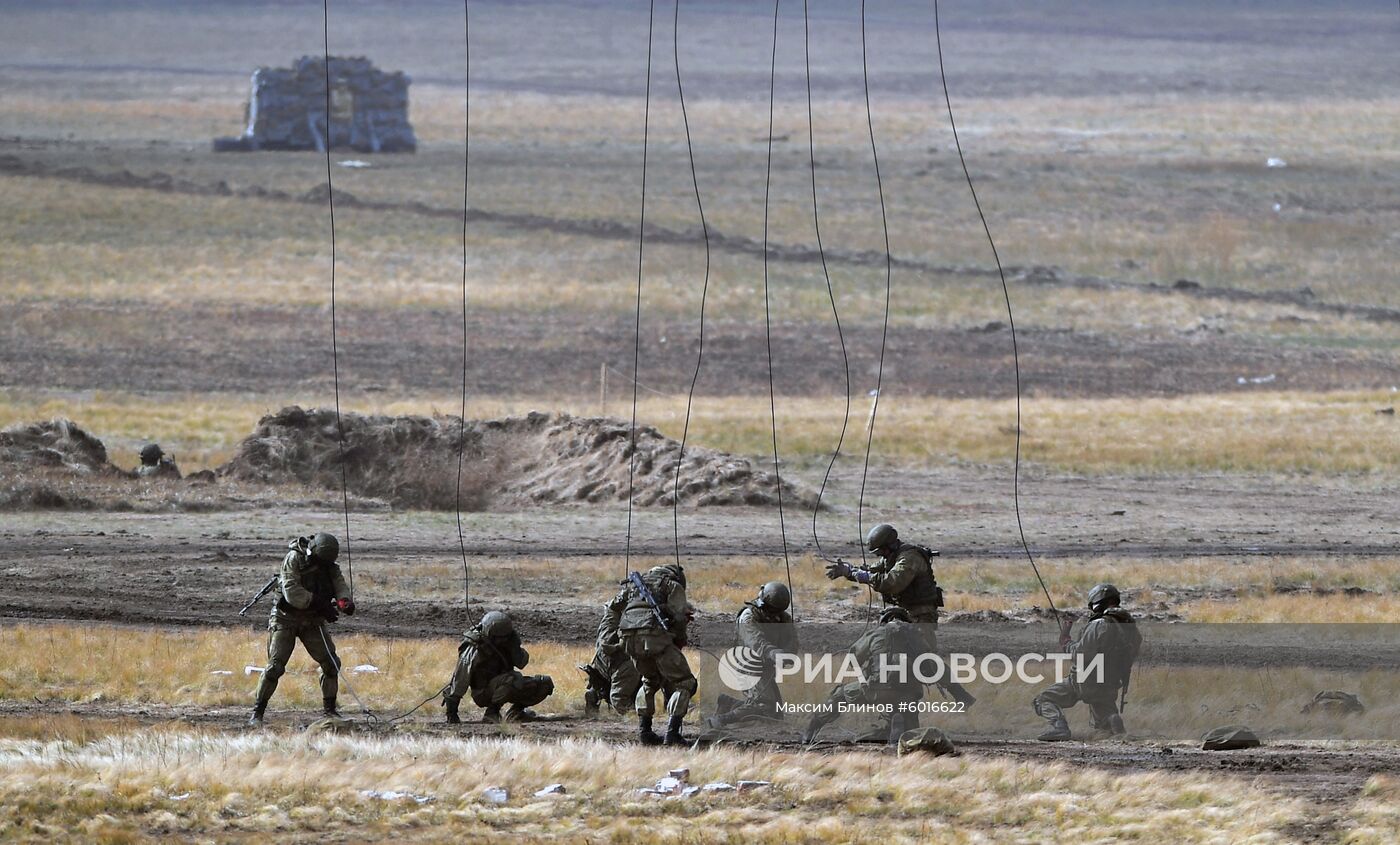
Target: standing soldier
488,664
904,578
612,677
311,592
894,642
651,617
765,628
1112,633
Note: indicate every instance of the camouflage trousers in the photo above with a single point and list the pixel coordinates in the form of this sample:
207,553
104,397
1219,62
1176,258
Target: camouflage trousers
663,668
856,695
282,638
1053,700
613,677
506,688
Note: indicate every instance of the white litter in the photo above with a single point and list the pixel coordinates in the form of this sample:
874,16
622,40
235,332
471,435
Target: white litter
391,795
496,794
746,785
668,784
689,791
552,789
222,672
1276,162
1278,207
1256,379
183,796
365,669
718,787
679,774
354,162
252,670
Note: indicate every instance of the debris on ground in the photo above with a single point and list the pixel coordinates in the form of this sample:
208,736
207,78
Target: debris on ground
365,669
925,740
552,789
1229,738
495,794
58,443
540,458
1334,702
331,725
391,795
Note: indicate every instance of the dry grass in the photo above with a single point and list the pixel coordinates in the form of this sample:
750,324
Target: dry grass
146,786
1255,432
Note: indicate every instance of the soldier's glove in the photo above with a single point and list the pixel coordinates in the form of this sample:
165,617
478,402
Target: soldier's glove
838,569
1065,626
347,606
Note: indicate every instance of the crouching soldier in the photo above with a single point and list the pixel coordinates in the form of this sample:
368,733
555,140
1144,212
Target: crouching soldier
1111,633
894,642
651,616
489,661
155,464
904,578
765,628
612,677
311,592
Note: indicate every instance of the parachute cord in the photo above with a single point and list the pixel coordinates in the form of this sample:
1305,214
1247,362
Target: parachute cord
637,331
335,352
704,289
1006,293
462,431
826,274
889,272
767,314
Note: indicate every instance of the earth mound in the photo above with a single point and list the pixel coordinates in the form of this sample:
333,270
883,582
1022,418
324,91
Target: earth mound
411,461
55,444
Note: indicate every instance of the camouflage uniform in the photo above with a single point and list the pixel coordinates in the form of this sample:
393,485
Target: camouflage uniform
306,595
612,676
1114,634
656,649
154,464
765,632
488,668
889,639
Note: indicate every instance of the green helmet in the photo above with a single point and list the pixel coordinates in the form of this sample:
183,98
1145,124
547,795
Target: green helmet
881,536
775,595
892,614
1102,596
497,625
151,454
674,571
325,547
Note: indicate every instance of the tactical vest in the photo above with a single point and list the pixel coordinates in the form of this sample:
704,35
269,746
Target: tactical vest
923,591
1126,644
638,614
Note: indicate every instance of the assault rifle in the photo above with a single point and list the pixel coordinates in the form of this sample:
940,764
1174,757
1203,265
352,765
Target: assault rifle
267,588
650,599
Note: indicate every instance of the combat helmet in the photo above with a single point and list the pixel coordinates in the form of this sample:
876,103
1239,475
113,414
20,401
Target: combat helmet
1103,596
324,547
497,625
892,614
775,596
881,536
151,454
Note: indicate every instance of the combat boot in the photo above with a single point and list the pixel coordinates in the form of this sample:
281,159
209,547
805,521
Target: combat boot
516,713
451,705
491,714
256,720
673,732
328,707
645,733
1115,725
1057,732
960,694
591,702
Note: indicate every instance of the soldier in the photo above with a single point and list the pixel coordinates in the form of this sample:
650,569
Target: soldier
488,664
612,677
765,628
311,592
904,578
651,616
1111,632
899,642
154,463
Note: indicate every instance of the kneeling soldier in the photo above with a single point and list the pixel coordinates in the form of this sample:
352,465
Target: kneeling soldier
488,664
894,642
765,628
1112,633
651,615
310,593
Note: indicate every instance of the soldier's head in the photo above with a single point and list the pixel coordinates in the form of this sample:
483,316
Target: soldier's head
151,454
775,596
883,540
325,548
1104,596
674,571
497,625
895,614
